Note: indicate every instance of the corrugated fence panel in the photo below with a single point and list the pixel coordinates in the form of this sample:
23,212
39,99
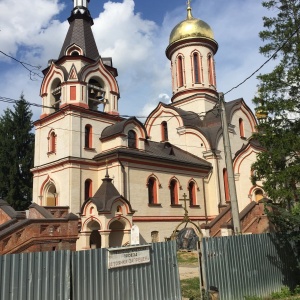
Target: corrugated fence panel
157,280
35,276
248,265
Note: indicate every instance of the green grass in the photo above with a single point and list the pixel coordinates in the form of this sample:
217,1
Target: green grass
190,288
187,258
284,294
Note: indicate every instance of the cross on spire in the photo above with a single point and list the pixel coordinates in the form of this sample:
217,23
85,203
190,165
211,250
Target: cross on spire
189,10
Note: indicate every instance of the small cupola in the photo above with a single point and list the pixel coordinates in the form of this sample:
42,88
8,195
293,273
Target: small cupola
191,51
191,27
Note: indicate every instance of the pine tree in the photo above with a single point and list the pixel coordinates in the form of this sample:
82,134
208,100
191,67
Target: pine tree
16,155
279,94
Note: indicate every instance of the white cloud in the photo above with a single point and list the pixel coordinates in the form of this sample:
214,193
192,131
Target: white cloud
22,21
151,104
137,46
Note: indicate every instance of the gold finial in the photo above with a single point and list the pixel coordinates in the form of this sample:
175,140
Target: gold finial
189,10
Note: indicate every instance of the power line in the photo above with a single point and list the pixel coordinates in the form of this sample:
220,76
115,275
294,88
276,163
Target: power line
274,55
14,101
25,65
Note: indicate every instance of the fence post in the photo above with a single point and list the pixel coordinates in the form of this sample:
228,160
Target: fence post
200,267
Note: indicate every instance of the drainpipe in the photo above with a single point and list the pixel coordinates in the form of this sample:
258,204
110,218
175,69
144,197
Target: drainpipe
204,198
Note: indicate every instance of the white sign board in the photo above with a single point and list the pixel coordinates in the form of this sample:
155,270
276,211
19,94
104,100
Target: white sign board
121,257
135,235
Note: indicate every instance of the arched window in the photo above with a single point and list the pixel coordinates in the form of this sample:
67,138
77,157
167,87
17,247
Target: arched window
88,134
88,192
132,142
52,142
211,70
152,191
241,127
95,93
174,192
164,131
180,71
226,185
197,69
51,195
192,193
258,195
55,97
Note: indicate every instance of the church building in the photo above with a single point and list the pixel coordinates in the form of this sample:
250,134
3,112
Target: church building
116,172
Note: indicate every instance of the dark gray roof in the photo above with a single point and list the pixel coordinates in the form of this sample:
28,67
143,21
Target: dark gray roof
162,152
253,143
80,33
118,128
105,196
212,127
189,118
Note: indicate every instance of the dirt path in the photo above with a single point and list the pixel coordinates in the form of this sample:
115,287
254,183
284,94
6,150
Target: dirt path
188,272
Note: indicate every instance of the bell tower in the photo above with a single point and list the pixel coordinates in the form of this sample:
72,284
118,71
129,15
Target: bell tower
191,51
80,76
80,98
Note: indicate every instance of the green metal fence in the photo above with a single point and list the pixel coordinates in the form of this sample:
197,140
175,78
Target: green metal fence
248,265
65,275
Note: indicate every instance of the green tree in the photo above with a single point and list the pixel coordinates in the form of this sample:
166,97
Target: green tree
279,95
16,155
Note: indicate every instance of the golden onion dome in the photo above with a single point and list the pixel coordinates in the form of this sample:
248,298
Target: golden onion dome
191,27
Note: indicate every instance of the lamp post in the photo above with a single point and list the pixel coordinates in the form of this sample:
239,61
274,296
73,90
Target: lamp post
229,167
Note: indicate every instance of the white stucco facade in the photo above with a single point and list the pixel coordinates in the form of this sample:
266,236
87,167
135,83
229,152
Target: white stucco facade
80,139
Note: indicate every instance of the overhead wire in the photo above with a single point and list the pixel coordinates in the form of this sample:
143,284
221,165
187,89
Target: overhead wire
271,57
25,65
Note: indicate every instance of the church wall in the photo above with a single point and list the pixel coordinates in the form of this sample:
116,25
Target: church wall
78,64
69,129
138,193
243,183
199,105
69,181
243,176
119,141
212,190
186,52
245,189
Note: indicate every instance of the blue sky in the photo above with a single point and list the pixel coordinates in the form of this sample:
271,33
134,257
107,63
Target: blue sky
135,34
